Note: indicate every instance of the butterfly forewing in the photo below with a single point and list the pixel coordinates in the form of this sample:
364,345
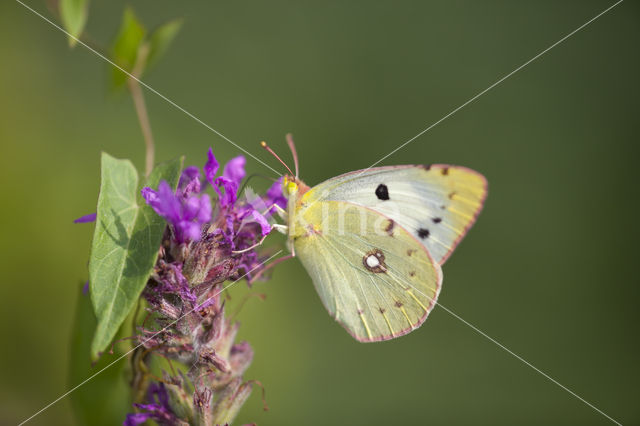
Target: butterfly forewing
436,204
372,275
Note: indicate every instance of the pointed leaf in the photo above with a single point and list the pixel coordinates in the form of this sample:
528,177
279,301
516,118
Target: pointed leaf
103,400
125,243
74,14
125,47
160,39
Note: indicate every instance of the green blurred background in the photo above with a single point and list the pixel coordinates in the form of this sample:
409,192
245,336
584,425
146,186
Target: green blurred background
549,270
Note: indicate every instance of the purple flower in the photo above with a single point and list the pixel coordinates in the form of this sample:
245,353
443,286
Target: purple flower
86,218
184,298
185,214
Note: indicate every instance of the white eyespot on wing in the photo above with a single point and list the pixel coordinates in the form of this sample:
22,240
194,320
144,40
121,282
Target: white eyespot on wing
372,261
381,285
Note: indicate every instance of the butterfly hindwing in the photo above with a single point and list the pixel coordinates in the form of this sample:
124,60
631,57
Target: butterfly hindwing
436,204
372,275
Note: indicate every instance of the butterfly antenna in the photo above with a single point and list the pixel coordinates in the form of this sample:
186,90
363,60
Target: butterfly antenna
265,146
292,147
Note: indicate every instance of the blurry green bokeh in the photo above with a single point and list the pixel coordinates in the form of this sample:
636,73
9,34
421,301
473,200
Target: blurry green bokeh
549,270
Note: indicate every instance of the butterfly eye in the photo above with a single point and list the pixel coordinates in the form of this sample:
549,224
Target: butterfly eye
291,187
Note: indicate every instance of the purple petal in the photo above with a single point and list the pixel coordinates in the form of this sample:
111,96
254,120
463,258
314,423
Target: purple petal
149,195
211,168
180,212
85,288
234,169
149,407
275,196
86,218
189,181
198,209
164,202
186,230
204,215
188,174
265,228
190,208
230,224
229,197
135,419
275,190
159,390
168,204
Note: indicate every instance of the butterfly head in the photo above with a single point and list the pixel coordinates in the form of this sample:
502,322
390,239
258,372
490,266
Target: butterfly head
292,186
289,185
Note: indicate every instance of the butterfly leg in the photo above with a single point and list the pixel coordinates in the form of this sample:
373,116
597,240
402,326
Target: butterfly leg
283,229
281,212
250,248
269,266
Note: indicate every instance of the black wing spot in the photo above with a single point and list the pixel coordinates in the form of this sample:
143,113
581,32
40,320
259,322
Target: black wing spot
426,167
389,228
445,171
382,192
423,233
436,220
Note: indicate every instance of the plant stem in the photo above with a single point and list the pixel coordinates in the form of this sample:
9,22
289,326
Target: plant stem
141,108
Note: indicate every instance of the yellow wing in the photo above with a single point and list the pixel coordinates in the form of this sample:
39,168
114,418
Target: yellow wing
372,275
436,204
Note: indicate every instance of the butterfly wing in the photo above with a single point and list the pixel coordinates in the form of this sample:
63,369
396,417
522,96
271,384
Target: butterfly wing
436,204
372,275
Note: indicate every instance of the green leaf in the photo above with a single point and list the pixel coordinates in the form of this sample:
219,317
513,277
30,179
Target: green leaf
160,39
125,244
74,14
104,399
125,47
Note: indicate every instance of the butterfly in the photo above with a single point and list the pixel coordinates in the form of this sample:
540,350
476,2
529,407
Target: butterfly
373,241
